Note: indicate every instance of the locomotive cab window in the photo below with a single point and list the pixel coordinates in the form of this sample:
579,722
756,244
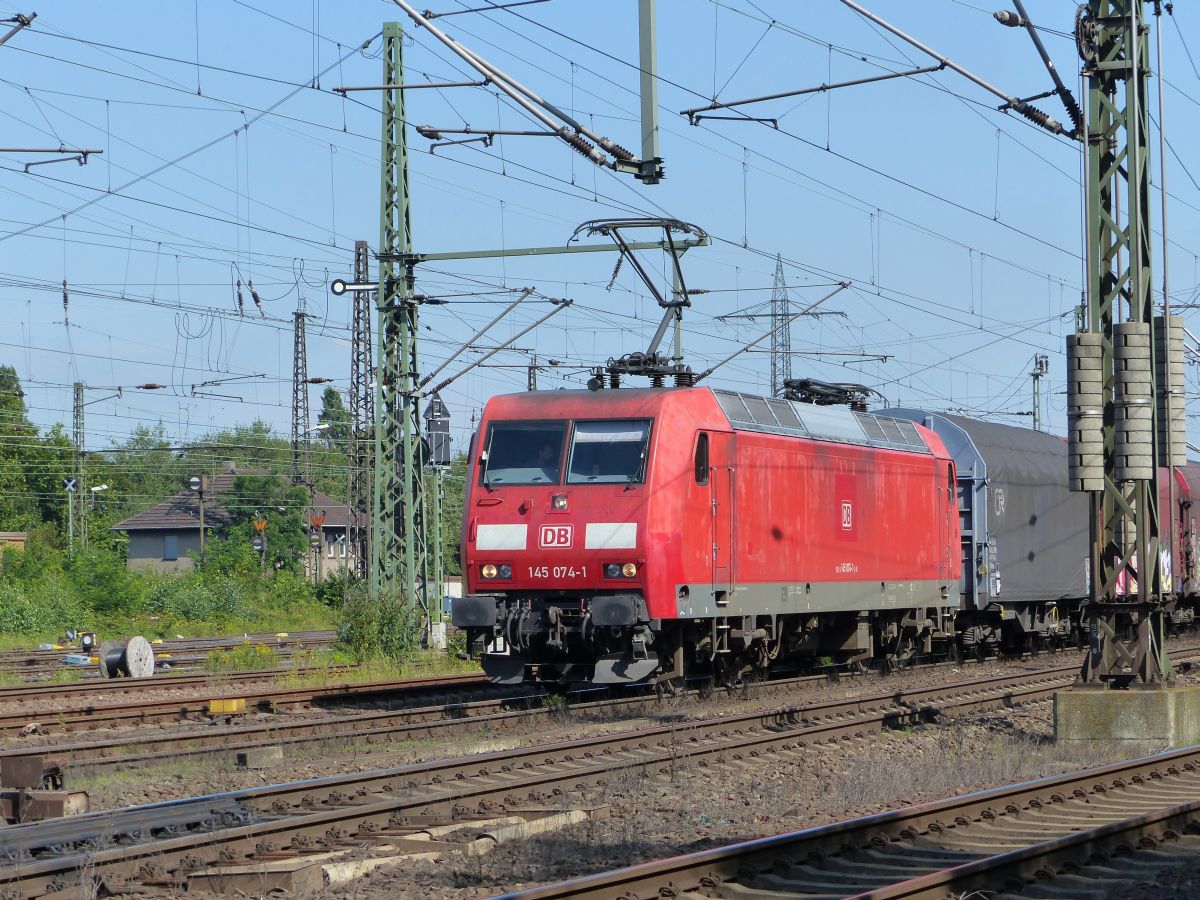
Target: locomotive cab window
609,452
523,453
702,458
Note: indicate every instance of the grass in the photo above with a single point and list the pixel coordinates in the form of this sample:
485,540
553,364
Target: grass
946,760
151,627
246,657
315,668
95,782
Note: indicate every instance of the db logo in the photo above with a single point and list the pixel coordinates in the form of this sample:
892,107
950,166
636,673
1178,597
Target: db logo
847,515
555,536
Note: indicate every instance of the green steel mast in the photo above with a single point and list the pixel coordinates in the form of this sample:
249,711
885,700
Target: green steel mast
398,545
1125,623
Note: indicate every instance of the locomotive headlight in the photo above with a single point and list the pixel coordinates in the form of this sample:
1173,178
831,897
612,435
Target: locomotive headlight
619,570
559,502
488,571
505,571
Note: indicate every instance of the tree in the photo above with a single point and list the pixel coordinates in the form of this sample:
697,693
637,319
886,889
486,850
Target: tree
31,466
335,415
453,488
282,505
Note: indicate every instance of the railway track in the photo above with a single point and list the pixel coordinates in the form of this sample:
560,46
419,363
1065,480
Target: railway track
165,663
25,693
178,650
145,709
169,843
506,709
440,721
1054,837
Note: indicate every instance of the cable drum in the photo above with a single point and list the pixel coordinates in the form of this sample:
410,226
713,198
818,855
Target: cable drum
1134,402
1085,412
133,658
1169,360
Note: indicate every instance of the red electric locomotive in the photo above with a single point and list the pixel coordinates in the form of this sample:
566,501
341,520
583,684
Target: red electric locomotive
623,535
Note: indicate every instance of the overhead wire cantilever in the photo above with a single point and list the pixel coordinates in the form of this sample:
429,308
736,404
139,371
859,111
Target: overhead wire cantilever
695,114
1032,113
601,150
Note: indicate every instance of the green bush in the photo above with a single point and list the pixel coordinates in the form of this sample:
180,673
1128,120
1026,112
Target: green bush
388,627
44,590
197,598
231,556
333,590
39,609
101,576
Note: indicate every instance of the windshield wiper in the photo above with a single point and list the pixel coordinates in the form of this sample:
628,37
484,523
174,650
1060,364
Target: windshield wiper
640,473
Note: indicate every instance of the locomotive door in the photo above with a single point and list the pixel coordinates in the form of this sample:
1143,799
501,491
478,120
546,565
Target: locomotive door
950,548
721,487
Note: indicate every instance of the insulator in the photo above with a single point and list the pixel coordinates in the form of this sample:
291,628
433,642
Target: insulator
1037,117
616,271
1133,396
1169,363
579,142
257,300
656,380
1085,412
684,378
617,150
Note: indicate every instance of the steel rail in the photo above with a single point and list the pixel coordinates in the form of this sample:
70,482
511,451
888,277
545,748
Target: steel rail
17,659
440,721
993,840
409,723
361,807
149,709
35,691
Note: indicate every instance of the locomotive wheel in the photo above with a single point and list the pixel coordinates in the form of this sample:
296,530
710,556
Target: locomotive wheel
901,657
670,688
767,651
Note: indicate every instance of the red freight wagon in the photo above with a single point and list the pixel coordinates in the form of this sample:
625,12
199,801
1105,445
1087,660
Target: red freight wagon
616,536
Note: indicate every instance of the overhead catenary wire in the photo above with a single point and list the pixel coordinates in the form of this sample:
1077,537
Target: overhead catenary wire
898,285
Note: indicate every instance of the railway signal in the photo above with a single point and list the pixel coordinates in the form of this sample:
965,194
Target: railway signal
198,485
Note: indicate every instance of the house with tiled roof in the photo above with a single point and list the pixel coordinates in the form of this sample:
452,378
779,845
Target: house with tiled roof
164,537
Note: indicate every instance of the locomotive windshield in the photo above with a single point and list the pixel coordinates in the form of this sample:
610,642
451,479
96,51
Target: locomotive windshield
609,452
523,453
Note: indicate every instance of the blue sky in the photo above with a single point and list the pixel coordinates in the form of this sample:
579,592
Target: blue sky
958,225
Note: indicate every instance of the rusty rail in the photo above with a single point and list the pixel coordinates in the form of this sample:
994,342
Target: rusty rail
149,709
504,710
995,840
291,819
33,691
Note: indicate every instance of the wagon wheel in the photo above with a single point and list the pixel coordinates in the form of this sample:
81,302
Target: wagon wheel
670,688
900,656
727,674
955,651
767,652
